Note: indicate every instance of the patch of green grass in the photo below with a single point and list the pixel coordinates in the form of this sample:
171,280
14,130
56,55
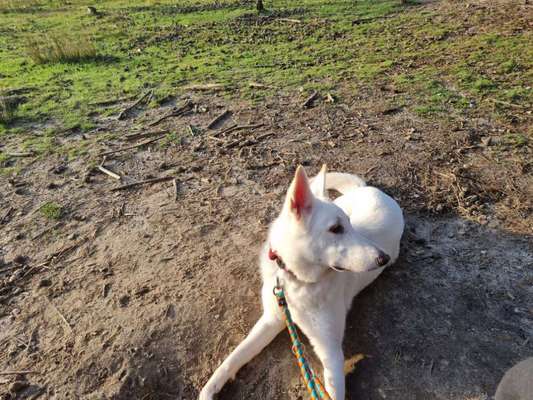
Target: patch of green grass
517,140
51,210
441,64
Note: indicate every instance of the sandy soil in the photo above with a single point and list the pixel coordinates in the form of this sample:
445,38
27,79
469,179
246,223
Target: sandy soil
140,293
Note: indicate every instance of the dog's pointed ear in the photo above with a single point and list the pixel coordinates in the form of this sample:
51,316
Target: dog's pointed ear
318,184
299,200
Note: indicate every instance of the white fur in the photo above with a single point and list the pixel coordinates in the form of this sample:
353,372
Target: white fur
318,296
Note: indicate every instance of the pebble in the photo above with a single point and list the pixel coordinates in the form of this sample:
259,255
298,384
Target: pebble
18,386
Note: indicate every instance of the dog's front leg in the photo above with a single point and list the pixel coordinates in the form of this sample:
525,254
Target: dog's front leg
263,332
330,354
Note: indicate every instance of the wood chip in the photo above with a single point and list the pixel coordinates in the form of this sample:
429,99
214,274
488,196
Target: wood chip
109,173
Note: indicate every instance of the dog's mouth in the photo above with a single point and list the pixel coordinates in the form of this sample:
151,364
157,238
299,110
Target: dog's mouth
338,269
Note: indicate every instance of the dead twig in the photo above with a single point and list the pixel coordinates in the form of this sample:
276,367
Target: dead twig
142,135
257,85
506,103
108,172
5,217
248,142
106,153
61,316
295,21
207,86
20,155
111,102
173,113
218,119
125,112
307,103
21,372
175,183
236,128
144,182
47,230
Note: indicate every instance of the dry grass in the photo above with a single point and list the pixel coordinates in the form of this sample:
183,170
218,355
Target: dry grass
7,110
56,49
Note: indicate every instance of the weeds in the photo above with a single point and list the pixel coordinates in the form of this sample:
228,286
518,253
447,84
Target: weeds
58,49
51,210
7,110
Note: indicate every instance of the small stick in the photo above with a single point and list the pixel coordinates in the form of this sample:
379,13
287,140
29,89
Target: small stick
310,100
23,372
110,173
296,21
142,135
248,142
237,128
207,86
174,113
257,85
110,102
106,153
175,183
124,112
47,230
61,316
145,182
27,154
217,119
3,220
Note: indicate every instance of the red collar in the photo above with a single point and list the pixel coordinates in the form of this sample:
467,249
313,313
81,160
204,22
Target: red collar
275,257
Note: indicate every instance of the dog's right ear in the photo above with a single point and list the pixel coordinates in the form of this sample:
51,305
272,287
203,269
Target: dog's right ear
318,184
299,201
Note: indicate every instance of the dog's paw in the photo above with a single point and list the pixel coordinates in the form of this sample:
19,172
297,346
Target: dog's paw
207,393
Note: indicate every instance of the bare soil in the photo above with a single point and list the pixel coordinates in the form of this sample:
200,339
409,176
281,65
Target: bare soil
140,293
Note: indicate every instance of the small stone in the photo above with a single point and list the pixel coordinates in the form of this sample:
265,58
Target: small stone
124,300
439,208
59,169
20,260
45,283
486,141
18,386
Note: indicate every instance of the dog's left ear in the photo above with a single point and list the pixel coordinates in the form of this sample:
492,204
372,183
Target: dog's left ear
318,184
299,200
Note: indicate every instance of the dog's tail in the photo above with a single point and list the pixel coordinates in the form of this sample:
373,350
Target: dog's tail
343,182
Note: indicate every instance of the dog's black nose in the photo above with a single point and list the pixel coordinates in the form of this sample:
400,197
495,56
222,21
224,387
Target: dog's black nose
382,259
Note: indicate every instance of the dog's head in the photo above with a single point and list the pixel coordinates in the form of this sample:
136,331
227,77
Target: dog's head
313,235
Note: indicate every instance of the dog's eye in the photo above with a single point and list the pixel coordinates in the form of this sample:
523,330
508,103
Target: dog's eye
337,229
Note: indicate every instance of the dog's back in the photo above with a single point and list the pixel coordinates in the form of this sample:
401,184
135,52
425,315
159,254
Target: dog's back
374,214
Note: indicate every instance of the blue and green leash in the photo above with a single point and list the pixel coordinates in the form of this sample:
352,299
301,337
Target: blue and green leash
314,386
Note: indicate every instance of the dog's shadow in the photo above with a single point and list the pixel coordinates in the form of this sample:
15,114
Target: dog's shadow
446,320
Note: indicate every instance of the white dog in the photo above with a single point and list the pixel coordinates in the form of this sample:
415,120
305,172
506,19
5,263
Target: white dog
323,253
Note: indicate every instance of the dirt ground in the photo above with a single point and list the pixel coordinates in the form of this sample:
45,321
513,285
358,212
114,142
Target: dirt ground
139,293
